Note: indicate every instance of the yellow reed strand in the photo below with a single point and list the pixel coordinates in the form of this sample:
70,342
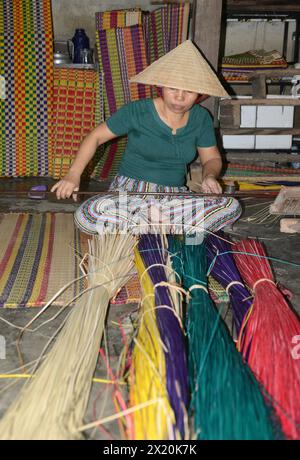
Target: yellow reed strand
148,377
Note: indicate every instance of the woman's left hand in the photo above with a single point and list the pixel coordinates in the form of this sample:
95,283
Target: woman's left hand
211,185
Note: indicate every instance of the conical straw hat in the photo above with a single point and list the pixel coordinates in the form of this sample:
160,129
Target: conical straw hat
182,68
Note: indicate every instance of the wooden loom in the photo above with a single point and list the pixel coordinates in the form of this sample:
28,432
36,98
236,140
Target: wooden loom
287,203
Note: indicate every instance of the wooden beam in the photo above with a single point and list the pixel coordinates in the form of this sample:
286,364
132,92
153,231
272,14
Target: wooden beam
267,101
262,5
260,131
275,73
230,116
207,31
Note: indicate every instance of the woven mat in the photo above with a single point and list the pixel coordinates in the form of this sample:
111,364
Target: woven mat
26,62
165,28
38,257
217,292
130,293
253,58
118,18
77,110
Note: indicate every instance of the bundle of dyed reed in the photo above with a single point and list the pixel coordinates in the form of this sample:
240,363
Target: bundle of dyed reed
53,404
168,317
148,372
156,277
224,270
271,329
226,402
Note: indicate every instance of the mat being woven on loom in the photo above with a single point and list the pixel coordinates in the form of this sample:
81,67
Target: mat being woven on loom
122,55
26,60
38,257
77,110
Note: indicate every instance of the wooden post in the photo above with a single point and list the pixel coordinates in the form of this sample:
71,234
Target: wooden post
207,30
259,89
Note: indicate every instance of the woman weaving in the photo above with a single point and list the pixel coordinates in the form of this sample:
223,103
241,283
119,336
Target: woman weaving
164,136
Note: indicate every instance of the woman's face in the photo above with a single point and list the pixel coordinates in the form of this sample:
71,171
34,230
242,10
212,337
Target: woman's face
178,100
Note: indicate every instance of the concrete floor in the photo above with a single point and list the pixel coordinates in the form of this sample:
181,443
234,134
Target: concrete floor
278,245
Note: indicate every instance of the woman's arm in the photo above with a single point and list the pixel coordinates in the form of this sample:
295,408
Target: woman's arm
70,183
211,167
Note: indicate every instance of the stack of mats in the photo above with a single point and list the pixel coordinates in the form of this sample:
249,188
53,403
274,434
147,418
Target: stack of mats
77,110
236,68
127,42
26,63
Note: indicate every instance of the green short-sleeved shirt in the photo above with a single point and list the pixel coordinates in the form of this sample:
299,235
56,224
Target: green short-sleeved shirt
153,153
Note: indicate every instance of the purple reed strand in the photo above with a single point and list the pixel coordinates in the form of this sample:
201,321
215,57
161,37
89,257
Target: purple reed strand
170,331
224,270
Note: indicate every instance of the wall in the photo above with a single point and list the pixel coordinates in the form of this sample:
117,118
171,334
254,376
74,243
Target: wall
240,36
69,15
243,36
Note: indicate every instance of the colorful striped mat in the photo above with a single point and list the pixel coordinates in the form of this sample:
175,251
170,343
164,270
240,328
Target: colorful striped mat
121,55
26,60
38,257
165,28
217,293
131,292
77,110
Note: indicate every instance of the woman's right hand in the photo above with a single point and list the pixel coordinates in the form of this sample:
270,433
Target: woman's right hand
67,185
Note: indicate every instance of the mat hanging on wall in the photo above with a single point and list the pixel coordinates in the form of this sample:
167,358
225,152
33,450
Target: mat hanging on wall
38,258
77,110
26,63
